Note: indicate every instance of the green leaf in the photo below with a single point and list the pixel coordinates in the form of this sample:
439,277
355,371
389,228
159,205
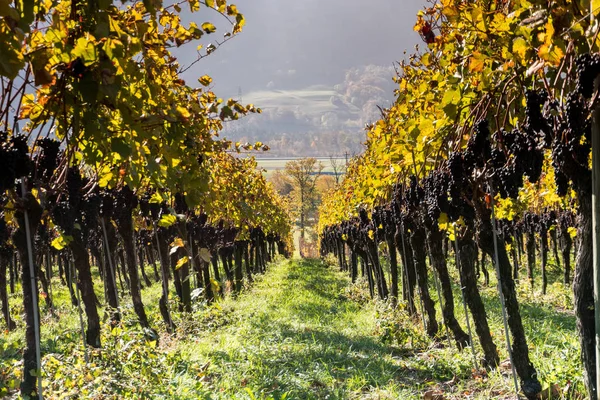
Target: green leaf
61,242
450,101
149,4
167,220
105,179
119,146
27,15
156,198
204,254
5,8
520,47
113,48
86,50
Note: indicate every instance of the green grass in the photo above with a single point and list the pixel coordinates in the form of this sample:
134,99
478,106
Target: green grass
302,331
296,334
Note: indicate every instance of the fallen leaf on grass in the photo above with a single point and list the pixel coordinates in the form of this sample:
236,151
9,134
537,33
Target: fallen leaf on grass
433,395
452,381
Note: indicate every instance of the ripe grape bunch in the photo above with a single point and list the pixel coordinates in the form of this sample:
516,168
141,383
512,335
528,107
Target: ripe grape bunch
14,159
479,148
588,69
47,160
572,132
436,186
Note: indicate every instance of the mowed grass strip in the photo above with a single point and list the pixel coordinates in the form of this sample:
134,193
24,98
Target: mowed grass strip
296,335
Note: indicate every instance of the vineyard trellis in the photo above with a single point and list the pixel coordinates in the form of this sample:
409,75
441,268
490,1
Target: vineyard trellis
111,160
488,146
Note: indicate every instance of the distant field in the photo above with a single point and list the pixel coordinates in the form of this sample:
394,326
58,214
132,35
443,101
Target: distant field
271,165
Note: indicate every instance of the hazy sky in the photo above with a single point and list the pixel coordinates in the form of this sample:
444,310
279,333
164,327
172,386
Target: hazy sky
293,44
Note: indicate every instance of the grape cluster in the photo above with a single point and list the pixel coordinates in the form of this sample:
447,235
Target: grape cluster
535,121
63,215
588,68
456,169
106,204
390,225
124,203
180,204
47,160
508,180
566,219
379,222
414,193
479,148
4,233
561,181
506,229
74,187
547,220
14,159
571,146
530,222
144,204
576,116
90,209
436,186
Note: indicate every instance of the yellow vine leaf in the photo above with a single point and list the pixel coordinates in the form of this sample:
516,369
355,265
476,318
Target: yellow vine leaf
520,47
572,232
167,220
181,262
551,53
61,242
476,62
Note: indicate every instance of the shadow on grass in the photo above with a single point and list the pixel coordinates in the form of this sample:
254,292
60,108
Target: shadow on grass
316,359
322,364
532,312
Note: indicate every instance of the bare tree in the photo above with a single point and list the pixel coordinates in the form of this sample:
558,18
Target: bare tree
338,168
304,174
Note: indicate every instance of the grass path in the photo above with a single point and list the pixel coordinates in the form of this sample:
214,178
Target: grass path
296,335
301,331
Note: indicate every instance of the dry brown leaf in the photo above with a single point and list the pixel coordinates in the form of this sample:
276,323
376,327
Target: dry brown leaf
433,395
